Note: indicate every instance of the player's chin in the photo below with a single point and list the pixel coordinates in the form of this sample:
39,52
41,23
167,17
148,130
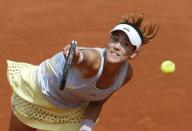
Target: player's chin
114,60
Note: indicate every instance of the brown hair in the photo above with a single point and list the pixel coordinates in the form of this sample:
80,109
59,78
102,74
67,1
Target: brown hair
147,30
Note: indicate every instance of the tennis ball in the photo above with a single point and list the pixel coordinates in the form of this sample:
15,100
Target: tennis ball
168,67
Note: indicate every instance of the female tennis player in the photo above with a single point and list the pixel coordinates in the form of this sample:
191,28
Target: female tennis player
95,74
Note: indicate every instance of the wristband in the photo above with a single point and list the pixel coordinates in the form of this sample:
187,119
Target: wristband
88,122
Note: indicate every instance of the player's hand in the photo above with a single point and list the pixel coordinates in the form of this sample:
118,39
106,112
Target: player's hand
66,50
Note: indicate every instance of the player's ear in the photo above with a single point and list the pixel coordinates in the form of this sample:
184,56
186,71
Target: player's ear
133,55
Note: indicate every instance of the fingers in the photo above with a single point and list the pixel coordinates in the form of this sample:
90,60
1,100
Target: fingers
65,50
76,49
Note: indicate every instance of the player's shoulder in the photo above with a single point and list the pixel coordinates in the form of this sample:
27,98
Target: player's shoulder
92,61
93,53
93,50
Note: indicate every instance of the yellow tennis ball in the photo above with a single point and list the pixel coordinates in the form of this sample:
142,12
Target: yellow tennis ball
168,67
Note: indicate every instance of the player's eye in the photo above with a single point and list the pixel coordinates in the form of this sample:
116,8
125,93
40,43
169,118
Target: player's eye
115,39
125,43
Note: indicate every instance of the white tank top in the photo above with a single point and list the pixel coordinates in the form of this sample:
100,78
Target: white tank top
77,90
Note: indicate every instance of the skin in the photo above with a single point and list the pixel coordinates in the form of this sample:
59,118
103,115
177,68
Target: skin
119,48
118,51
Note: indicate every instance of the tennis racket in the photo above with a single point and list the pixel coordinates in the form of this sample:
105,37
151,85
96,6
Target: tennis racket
67,65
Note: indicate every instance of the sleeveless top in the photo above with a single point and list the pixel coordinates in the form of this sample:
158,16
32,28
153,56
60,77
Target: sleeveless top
78,90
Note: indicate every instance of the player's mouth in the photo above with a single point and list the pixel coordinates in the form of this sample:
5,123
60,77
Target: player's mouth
114,53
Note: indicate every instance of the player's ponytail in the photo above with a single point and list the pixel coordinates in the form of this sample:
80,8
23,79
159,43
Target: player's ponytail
146,29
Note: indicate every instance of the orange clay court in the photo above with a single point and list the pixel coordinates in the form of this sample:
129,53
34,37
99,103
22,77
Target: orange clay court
31,31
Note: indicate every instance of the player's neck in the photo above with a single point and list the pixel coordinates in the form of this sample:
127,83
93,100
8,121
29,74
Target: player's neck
111,68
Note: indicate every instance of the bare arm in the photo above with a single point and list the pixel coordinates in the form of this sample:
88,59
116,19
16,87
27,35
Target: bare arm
90,60
93,110
91,114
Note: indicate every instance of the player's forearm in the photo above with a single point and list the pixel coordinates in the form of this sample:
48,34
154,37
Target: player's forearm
91,114
88,58
93,110
81,59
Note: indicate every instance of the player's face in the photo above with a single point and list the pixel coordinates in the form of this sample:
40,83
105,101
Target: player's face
119,48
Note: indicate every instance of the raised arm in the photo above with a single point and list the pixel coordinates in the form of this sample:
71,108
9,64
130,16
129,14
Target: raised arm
86,60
